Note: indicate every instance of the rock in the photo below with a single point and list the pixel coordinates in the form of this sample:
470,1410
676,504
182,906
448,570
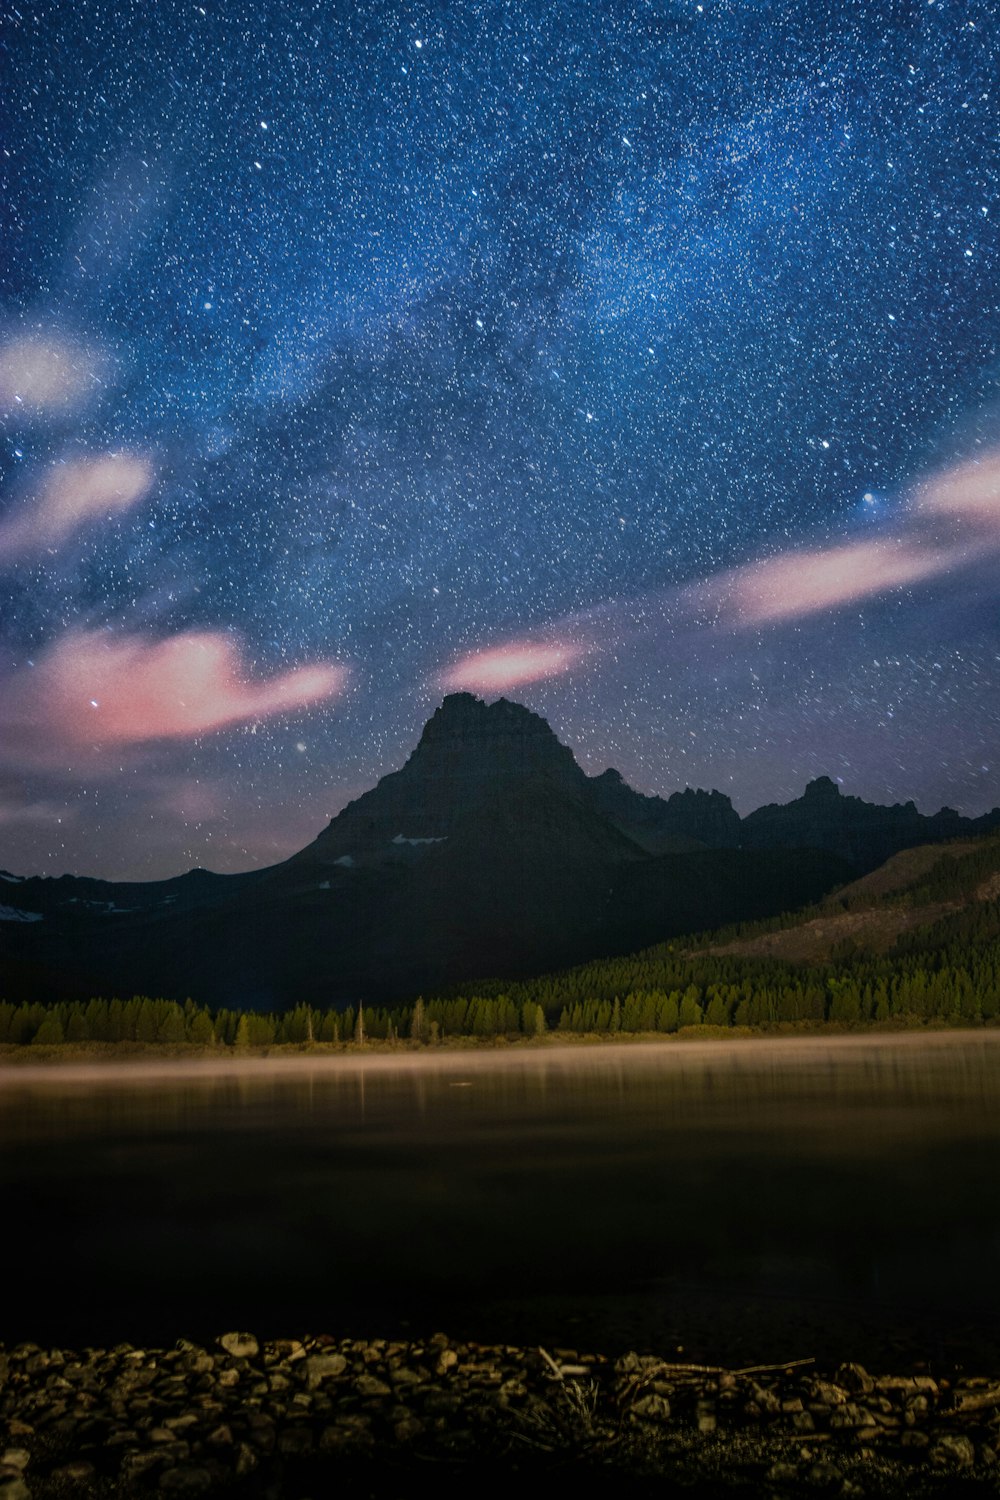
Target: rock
370,1385
447,1360
824,1473
186,1481
349,1431
246,1460
407,1429
984,1397
828,1394
651,1408
134,1464
77,1472
16,1458
855,1378
221,1437
320,1367
240,1345
14,1489
850,1415
953,1450
782,1473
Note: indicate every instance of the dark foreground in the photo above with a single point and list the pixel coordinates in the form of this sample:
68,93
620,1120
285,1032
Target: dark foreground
323,1416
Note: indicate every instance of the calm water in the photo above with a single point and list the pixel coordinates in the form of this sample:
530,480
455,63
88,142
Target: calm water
744,1201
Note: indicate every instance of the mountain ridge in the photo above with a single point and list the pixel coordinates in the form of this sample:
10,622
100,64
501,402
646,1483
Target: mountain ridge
489,851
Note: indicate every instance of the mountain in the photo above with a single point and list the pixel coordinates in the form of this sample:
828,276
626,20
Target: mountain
681,822
861,832
489,852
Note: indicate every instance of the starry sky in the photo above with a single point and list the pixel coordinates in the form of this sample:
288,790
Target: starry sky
637,359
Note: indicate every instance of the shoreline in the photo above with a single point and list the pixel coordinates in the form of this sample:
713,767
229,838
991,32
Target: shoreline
245,1417
96,1062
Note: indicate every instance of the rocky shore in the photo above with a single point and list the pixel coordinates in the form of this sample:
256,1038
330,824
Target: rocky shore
316,1416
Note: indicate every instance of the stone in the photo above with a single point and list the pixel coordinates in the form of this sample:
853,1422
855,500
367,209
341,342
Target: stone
855,1378
828,1394
954,1450
77,1472
651,1408
407,1429
447,1360
320,1367
347,1432
782,1473
824,1473
186,1481
370,1385
134,1464
240,1345
850,1415
221,1436
16,1458
14,1489
246,1460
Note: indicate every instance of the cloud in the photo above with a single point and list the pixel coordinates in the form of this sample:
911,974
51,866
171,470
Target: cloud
95,689
799,583
969,492
951,523
32,813
511,665
75,492
44,374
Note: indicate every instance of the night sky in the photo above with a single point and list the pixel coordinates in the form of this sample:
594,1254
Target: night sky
636,360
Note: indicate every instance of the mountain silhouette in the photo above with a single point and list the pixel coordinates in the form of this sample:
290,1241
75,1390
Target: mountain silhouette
488,853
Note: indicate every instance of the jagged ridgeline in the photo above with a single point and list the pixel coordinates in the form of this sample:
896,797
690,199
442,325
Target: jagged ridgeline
916,942
490,852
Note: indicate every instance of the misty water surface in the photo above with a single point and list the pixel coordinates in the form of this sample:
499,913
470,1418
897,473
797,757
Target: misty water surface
742,1201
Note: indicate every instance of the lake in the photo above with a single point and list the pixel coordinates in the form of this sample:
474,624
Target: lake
740,1201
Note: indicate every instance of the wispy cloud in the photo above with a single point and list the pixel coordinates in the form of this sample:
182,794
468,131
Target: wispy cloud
73,493
42,374
511,665
948,524
95,689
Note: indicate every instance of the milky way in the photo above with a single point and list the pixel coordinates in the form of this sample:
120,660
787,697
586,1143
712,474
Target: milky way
637,360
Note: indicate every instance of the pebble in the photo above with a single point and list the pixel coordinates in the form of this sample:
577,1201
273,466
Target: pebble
189,1422
240,1345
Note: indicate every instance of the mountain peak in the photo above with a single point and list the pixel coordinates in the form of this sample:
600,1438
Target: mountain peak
823,788
465,716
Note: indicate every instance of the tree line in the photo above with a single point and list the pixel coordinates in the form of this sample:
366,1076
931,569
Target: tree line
951,974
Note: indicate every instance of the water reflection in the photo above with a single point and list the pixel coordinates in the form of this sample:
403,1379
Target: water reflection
747,1199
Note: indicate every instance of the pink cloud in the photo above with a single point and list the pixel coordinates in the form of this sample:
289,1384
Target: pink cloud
795,584
75,492
95,689
969,492
511,665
